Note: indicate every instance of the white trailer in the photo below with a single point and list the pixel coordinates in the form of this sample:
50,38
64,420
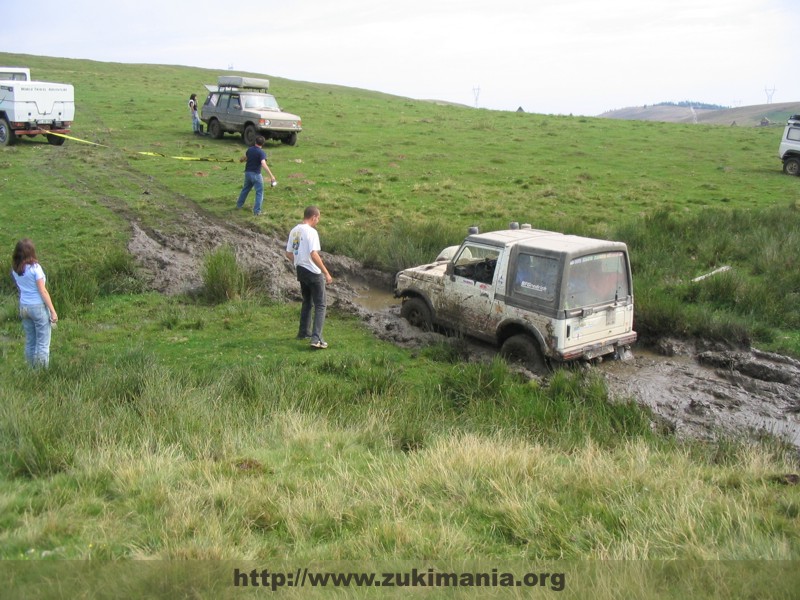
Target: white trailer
33,107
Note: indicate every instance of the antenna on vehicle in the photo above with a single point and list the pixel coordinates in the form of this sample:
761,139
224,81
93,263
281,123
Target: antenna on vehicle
770,93
476,91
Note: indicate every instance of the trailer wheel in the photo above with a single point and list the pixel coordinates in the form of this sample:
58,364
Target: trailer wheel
55,140
249,134
523,349
416,312
791,166
7,135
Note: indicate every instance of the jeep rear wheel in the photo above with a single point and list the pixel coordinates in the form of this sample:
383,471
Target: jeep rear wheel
524,350
7,136
249,134
791,166
416,312
215,129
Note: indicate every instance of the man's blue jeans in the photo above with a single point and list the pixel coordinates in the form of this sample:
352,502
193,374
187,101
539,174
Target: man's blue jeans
252,180
36,324
312,287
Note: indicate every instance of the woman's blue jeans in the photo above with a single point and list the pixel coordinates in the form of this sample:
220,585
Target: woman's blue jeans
36,324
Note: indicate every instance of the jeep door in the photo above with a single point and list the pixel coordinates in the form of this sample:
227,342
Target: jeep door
469,290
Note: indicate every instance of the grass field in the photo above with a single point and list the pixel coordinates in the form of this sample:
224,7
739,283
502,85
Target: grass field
175,428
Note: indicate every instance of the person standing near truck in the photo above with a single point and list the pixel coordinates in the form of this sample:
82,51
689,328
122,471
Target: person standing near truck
197,125
302,250
256,160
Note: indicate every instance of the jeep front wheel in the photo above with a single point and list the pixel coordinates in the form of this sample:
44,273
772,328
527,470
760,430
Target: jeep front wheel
215,129
249,134
791,166
55,140
524,350
291,139
416,312
7,135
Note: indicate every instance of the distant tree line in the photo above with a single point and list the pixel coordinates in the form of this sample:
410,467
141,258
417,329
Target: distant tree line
691,104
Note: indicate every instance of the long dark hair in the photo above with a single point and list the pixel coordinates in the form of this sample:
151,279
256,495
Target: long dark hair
24,255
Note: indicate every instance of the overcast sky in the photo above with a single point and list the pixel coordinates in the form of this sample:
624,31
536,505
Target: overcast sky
579,57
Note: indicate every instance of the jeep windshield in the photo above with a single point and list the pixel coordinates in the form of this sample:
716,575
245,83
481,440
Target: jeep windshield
260,102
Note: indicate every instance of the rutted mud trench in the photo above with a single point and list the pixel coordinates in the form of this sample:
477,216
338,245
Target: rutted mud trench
693,390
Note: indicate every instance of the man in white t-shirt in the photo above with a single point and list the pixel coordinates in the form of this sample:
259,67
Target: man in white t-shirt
302,249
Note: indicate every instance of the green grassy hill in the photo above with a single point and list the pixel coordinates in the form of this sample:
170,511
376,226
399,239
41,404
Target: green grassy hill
175,427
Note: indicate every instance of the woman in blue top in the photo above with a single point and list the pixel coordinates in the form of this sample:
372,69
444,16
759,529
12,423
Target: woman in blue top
35,307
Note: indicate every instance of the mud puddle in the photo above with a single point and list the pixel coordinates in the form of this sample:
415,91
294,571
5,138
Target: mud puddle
702,394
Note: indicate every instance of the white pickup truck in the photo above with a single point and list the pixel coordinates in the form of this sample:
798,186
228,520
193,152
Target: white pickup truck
33,107
542,297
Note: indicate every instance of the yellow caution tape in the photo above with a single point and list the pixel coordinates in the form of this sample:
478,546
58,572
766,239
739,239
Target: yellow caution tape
145,153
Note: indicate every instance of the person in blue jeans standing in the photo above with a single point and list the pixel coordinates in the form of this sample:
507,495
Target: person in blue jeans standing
302,250
35,306
256,159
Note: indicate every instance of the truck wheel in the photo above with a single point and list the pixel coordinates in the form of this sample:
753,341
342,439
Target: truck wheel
55,140
215,129
249,134
416,312
523,349
291,139
791,166
7,135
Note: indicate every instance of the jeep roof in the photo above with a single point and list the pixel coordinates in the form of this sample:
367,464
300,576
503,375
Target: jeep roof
557,243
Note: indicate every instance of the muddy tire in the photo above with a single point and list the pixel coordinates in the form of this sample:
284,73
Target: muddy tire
215,129
416,312
524,350
55,140
7,135
249,134
791,166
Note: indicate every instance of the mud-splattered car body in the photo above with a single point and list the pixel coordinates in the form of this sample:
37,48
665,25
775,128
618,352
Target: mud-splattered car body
540,296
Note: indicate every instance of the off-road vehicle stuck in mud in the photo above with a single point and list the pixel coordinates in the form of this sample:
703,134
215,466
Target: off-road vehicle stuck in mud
542,297
789,150
242,105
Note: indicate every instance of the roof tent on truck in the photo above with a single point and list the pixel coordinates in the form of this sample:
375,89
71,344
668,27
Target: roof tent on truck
237,81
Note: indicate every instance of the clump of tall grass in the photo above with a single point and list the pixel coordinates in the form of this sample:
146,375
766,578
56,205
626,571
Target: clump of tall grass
397,245
744,304
223,278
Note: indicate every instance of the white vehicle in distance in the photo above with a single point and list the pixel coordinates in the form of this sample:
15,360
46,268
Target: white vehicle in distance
789,150
242,105
33,108
542,297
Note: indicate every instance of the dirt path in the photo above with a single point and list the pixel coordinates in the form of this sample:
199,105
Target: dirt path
697,392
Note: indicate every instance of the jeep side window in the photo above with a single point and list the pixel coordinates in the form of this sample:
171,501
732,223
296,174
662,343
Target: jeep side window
235,103
597,279
477,263
536,276
793,134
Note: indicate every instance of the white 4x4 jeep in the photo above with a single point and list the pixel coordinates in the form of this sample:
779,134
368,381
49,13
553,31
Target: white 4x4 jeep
542,297
789,151
242,105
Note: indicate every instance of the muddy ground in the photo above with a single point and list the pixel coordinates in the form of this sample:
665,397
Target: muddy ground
693,389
